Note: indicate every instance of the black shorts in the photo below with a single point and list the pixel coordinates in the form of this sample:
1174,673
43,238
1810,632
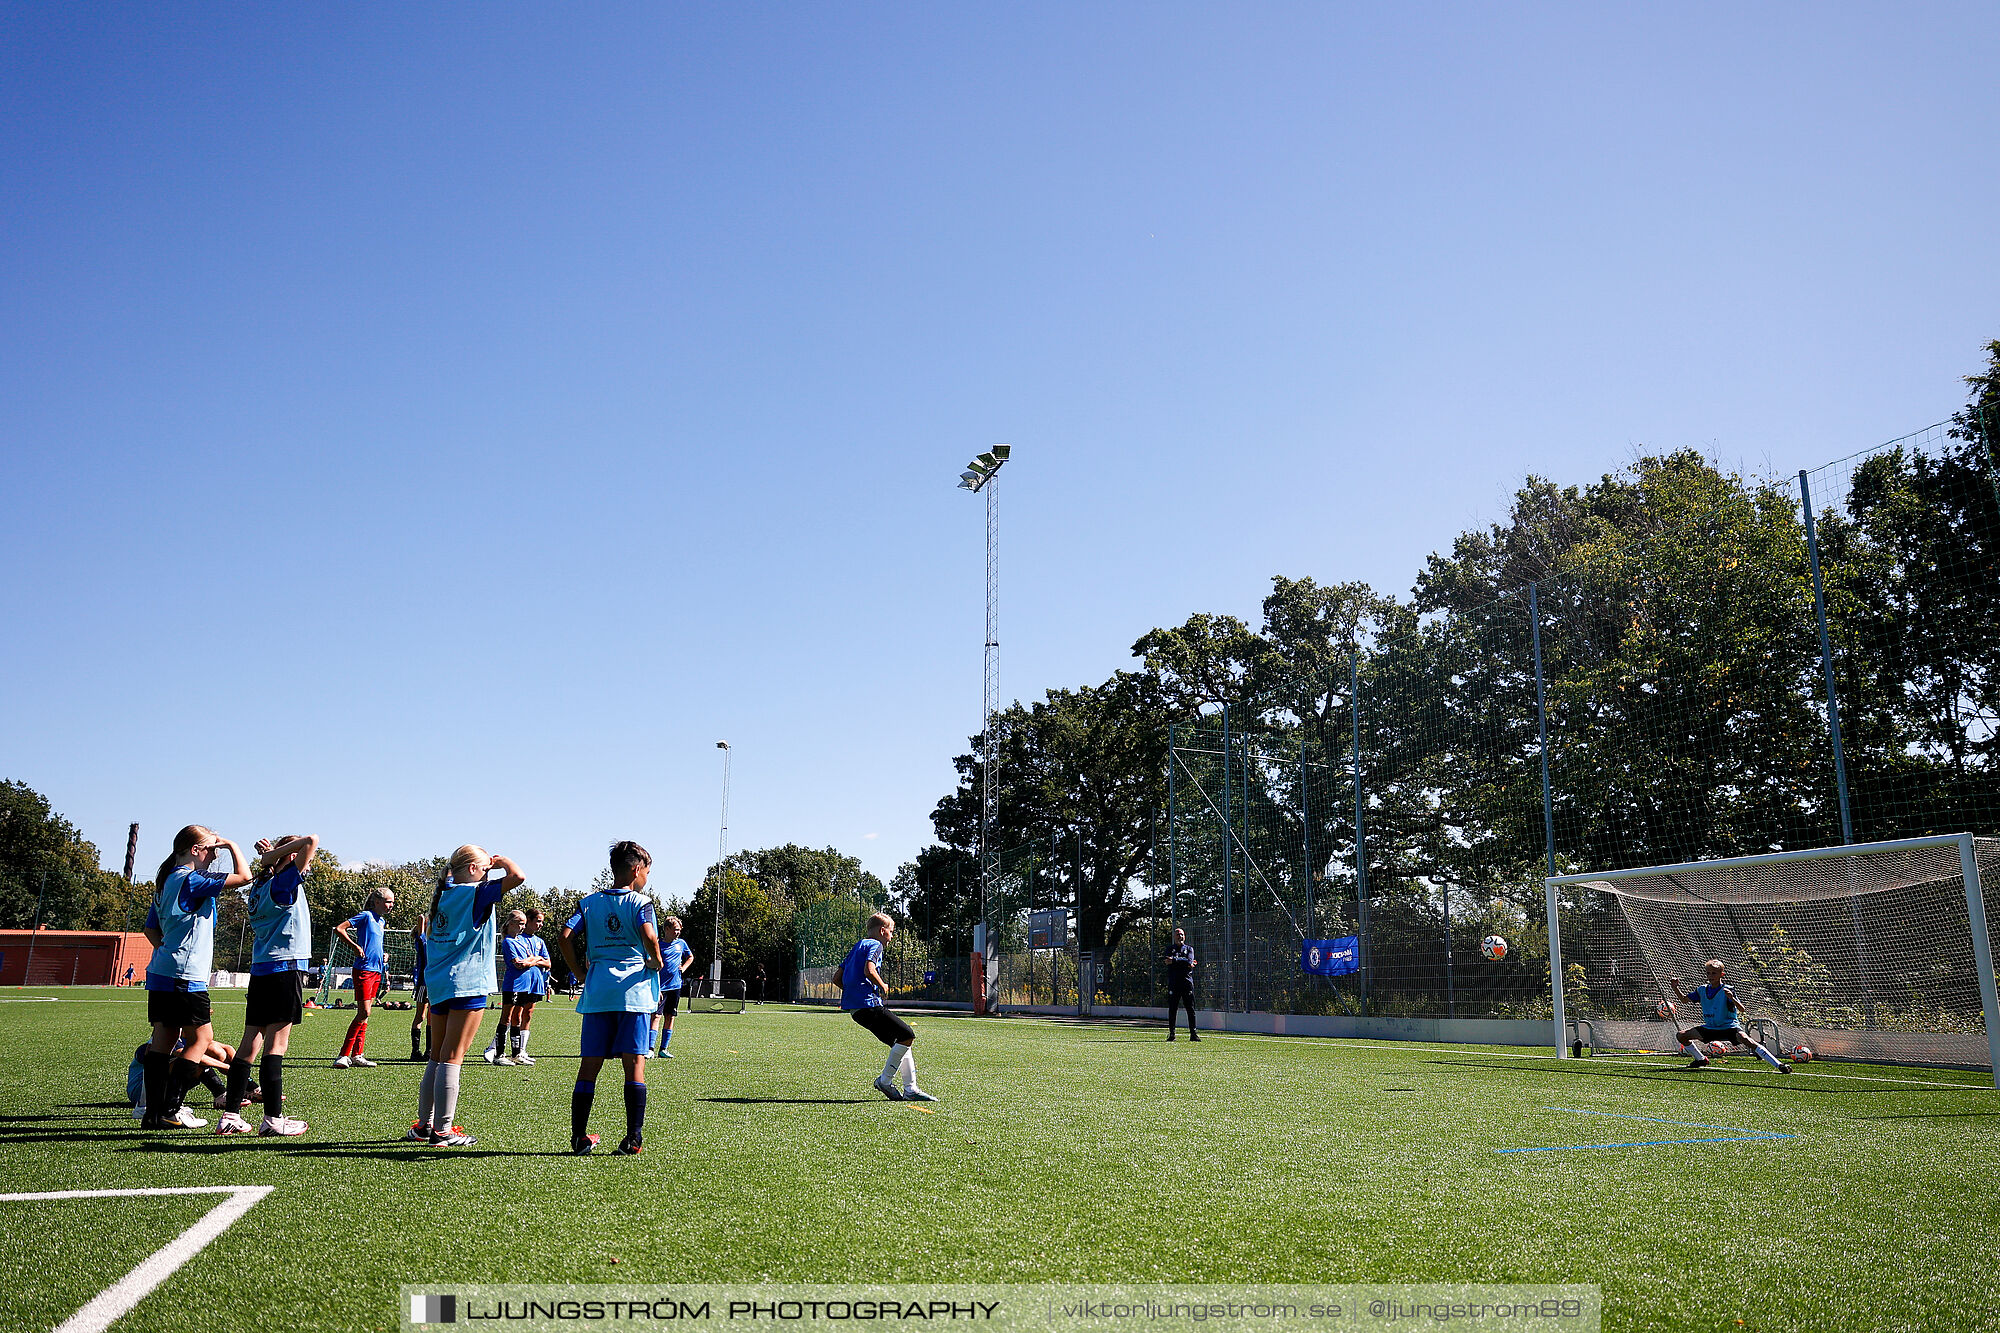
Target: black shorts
178,1008
888,1029
1736,1035
279,997
670,1002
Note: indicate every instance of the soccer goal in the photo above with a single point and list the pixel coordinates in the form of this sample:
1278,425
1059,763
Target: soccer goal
336,974
1880,951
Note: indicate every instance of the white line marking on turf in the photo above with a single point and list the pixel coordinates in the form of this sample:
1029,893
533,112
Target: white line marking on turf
107,1306
1400,1047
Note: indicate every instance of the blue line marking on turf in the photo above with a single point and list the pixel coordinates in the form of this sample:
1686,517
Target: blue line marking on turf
1736,1135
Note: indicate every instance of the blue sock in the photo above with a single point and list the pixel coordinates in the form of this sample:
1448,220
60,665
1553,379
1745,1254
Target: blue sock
635,1110
580,1098
666,1035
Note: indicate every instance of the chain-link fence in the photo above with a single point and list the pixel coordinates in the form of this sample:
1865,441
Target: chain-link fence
1731,668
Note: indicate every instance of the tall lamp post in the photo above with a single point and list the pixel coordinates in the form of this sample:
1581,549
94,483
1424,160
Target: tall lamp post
982,474
721,851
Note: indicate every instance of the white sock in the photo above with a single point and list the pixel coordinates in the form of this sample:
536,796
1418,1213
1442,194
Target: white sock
897,1054
1690,1051
909,1070
1765,1055
445,1098
520,1041
427,1094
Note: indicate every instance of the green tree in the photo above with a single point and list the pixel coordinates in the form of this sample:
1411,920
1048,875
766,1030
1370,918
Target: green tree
43,858
1084,770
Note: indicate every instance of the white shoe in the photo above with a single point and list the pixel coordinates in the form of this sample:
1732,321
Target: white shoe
187,1119
282,1126
916,1094
343,1062
490,1056
363,1062
524,1059
503,1060
232,1123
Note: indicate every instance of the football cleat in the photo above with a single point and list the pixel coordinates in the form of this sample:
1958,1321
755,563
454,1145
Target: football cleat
363,1062
524,1059
232,1123
453,1138
917,1095
629,1147
185,1118
888,1089
281,1126
582,1145
343,1062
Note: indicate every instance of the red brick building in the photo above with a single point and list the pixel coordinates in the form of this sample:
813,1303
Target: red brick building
72,957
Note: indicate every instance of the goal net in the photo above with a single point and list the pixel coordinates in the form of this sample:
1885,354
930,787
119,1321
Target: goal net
336,974
1881,951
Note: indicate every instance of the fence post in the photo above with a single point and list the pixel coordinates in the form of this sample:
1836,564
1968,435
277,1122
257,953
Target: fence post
1173,827
1228,906
1360,831
1249,953
1548,823
1306,844
1450,986
1826,659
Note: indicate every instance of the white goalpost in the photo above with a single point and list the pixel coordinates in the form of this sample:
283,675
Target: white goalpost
1878,951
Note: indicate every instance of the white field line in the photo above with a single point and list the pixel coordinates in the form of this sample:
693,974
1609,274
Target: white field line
1412,1047
107,1306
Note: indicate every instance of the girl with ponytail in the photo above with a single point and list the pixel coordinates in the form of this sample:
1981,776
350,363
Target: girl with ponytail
458,976
181,926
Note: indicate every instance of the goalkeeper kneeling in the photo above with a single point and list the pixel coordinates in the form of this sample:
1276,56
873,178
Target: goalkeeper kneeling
1721,1020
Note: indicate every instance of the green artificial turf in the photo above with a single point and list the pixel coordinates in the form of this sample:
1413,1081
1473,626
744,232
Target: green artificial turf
1059,1152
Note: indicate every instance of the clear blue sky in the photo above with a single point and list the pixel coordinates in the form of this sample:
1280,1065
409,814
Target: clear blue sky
443,423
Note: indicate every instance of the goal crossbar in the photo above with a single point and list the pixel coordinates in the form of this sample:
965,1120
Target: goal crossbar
1726,885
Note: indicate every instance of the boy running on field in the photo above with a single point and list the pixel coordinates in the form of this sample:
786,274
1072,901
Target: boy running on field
861,992
620,969
1721,1020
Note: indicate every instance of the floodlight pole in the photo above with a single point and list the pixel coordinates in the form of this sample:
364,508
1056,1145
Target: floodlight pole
721,852
982,474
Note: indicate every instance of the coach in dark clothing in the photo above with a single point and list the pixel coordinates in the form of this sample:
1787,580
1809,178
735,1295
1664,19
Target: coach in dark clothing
1180,983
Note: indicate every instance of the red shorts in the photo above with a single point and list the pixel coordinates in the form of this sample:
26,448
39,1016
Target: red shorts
367,985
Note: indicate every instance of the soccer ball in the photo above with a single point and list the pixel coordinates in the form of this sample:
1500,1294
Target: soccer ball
1717,1049
1665,1009
1493,947
1802,1054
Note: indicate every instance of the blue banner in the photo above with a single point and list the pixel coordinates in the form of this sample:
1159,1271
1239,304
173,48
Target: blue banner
1330,958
